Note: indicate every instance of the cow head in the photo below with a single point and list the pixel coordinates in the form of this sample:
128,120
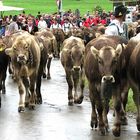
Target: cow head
19,51
77,56
107,59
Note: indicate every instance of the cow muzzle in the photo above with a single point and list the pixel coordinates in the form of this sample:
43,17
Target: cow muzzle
21,59
76,68
108,78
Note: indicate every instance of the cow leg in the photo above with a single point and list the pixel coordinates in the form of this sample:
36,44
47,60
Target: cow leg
136,98
75,76
3,83
26,83
44,72
100,116
117,122
0,81
82,85
22,93
38,85
105,112
94,121
0,99
48,67
59,46
70,87
33,95
124,97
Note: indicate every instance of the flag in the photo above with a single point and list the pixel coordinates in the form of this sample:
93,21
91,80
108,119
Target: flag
59,4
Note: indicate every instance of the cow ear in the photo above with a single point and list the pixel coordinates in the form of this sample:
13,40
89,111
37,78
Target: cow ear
124,46
94,51
41,46
9,52
118,50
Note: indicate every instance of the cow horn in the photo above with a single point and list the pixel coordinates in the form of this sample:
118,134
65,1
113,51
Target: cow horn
41,46
94,51
119,49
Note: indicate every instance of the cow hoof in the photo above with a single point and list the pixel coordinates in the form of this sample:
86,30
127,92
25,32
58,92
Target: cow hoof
26,104
3,91
21,109
116,132
138,127
44,75
32,107
93,124
124,121
70,103
39,100
78,101
102,132
48,77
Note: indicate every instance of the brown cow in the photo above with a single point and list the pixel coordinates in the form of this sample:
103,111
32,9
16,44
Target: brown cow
133,55
72,60
60,37
104,63
49,39
25,57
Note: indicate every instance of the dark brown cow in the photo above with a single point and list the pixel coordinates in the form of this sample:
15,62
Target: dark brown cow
60,37
72,60
4,59
25,57
133,55
104,68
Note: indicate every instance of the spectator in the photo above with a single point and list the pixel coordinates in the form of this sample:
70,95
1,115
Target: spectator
55,24
67,25
30,26
116,27
2,28
13,27
42,24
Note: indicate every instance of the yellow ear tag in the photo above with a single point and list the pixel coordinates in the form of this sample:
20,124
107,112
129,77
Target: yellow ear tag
120,14
1,49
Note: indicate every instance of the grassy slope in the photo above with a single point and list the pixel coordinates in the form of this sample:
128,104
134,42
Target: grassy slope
49,6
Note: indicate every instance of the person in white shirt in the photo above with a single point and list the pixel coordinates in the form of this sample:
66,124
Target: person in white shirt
117,26
55,24
66,26
42,24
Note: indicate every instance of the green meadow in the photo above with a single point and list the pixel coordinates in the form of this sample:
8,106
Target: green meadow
49,6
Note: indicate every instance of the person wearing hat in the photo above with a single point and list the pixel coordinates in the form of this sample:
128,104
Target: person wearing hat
117,26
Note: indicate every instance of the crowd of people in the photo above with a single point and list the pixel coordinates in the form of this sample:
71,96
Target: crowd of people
69,19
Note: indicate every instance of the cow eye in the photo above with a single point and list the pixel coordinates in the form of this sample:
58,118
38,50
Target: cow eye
100,61
114,61
26,47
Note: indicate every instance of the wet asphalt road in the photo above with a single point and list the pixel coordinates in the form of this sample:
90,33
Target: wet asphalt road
54,119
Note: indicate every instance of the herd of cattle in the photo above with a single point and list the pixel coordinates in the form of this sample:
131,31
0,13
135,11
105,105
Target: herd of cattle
109,63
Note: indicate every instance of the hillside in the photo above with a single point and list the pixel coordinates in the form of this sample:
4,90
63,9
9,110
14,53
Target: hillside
49,6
